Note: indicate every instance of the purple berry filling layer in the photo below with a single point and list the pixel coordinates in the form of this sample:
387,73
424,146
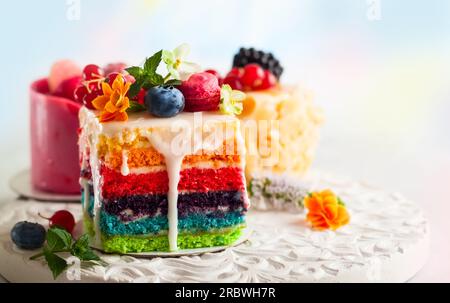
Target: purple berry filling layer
133,207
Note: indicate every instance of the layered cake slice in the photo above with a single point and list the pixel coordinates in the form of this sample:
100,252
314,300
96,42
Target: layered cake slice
154,176
150,188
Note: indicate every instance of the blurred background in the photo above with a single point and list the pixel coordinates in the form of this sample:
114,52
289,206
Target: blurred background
380,70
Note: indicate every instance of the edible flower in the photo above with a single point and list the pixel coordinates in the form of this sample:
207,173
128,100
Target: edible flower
177,67
114,102
231,100
325,210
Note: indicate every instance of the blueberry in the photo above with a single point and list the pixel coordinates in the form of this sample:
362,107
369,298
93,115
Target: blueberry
164,101
28,235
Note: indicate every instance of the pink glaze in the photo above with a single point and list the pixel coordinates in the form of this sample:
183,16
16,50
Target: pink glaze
54,152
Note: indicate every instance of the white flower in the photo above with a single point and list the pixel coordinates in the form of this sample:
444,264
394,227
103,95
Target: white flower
177,67
231,100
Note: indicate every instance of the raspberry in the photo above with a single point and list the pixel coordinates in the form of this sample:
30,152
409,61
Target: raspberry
201,92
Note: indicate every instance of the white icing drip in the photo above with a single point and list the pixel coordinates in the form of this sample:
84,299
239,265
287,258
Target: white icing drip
85,184
174,159
92,129
124,169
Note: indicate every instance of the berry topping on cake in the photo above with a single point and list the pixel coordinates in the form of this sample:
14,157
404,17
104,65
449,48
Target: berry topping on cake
201,92
217,74
269,80
90,86
92,72
249,78
61,71
265,60
164,101
253,76
27,235
66,89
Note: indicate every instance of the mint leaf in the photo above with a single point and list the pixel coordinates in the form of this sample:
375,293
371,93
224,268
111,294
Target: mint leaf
135,71
153,80
173,82
135,88
58,239
135,107
82,250
56,264
152,63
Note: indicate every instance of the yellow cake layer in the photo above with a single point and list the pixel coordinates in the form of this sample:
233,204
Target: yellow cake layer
291,140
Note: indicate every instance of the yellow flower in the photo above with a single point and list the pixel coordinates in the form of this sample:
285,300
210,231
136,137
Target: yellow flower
325,210
114,101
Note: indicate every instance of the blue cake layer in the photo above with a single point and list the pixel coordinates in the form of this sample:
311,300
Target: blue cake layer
112,225
91,202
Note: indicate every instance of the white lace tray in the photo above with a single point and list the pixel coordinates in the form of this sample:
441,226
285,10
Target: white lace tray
387,240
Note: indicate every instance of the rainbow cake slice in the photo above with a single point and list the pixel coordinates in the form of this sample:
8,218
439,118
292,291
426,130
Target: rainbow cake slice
162,184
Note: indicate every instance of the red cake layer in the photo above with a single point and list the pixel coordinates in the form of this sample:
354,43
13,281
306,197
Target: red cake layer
115,185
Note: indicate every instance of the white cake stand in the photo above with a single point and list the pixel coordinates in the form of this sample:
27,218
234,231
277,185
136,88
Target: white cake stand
387,240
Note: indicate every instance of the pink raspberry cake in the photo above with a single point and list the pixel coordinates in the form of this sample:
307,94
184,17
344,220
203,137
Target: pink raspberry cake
53,129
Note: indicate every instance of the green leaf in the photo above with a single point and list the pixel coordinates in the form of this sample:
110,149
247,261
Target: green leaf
82,250
153,80
135,71
340,202
135,88
173,82
58,239
152,63
135,107
56,264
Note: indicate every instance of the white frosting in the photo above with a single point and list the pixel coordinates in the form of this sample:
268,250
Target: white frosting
124,169
174,138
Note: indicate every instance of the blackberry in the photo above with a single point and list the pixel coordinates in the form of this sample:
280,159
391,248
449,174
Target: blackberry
265,60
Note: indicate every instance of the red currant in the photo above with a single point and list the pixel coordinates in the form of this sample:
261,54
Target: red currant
92,71
253,76
234,82
79,93
89,97
111,77
236,72
268,81
140,97
63,219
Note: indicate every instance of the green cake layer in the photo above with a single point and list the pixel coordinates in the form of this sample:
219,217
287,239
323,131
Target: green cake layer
128,244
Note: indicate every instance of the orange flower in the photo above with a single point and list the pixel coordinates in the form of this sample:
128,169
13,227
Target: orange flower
114,101
325,210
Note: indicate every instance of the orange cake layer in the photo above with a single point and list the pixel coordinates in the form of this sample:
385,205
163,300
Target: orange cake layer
145,157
